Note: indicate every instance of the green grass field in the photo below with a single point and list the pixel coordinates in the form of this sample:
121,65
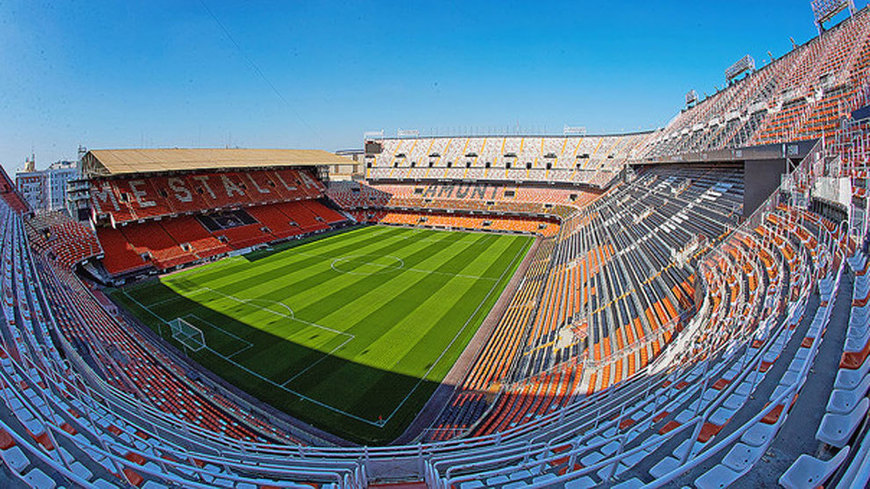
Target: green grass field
352,332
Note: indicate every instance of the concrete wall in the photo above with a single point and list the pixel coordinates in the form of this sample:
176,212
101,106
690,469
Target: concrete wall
760,179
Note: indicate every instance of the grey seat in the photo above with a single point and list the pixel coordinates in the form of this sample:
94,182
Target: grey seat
808,471
836,429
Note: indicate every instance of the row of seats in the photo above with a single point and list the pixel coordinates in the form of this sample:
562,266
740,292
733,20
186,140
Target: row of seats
466,196
556,158
528,225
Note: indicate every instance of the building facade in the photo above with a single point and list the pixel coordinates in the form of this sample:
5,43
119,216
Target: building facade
46,189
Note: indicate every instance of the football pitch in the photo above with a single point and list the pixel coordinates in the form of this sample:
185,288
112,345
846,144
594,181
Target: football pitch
351,332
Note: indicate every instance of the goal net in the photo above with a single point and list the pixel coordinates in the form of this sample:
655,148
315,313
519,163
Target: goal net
187,334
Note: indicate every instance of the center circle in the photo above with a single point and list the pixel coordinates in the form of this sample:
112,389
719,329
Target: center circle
367,264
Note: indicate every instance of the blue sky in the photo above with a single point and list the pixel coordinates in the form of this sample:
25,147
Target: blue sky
165,73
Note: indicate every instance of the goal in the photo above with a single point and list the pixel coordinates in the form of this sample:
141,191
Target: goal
187,334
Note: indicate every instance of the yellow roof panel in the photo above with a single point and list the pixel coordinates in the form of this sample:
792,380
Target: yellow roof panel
125,161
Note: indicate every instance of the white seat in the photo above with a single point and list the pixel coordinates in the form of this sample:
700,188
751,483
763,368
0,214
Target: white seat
808,471
497,480
591,459
471,485
610,448
15,459
836,429
742,457
153,485
223,483
858,324
664,466
520,475
849,378
759,434
734,401
80,470
843,401
38,480
857,343
721,415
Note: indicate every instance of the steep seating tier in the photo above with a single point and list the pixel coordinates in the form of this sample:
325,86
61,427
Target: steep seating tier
126,199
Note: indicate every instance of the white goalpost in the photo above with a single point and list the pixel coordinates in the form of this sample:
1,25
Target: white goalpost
187,334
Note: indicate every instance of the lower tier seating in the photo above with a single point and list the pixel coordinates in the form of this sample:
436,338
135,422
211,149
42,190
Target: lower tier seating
164,244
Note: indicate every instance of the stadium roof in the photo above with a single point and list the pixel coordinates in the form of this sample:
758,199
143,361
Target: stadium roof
126,161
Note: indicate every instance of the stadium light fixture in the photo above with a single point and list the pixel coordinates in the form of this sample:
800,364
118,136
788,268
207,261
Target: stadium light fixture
745,64
407,133
825,10
691,97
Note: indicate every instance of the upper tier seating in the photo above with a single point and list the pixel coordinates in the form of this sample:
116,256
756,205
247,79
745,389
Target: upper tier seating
801,95
130,198
592,160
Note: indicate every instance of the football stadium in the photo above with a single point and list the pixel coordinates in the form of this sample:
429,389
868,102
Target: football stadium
687,306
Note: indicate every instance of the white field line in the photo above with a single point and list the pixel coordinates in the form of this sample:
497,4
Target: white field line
322,358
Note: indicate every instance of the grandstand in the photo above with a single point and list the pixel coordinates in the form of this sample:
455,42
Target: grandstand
589,160
156,210
686,307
